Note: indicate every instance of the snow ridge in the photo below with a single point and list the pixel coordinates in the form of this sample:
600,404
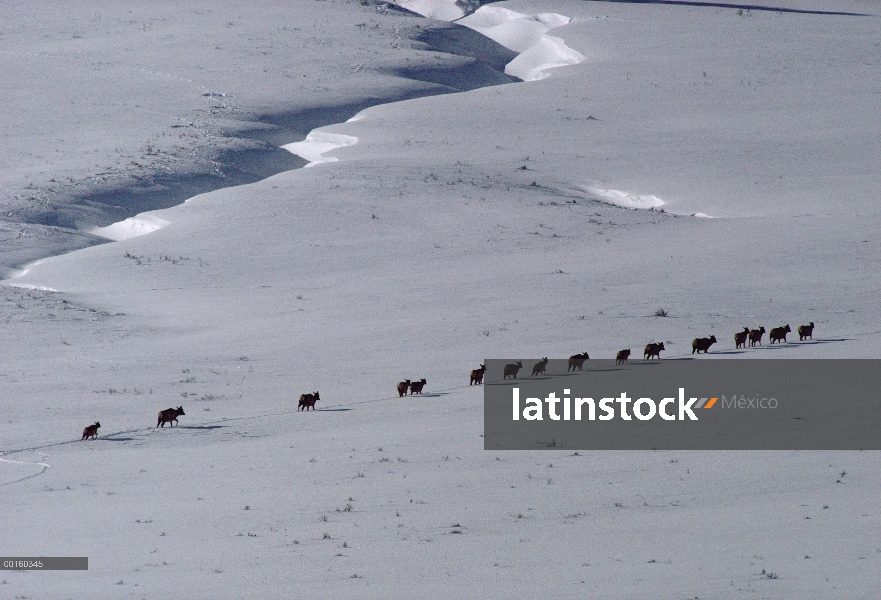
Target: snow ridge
525,34
319,142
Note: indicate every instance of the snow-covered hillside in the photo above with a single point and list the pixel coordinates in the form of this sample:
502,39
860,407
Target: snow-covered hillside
513,219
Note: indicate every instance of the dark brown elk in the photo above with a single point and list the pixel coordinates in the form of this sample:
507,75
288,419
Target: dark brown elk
698,344
511,370
307,401
622,356
740,338
416,386
779,333
540,366
403,386
576,361
806,331
170,415
477,375
653,350
91,431
755,336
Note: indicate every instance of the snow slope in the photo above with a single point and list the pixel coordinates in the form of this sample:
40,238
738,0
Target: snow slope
461,227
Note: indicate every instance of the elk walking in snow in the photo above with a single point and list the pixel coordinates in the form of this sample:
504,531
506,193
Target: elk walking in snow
511,370
653,350
91,431
477,375
779,333
307,401
806,331
170,415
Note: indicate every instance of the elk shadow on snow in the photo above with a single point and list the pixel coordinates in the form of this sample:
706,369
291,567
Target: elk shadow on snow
434,394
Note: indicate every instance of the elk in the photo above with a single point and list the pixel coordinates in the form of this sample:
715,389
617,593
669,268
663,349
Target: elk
622,356
653,350
779,333
540,366
576,361
740,338
511,370
698,344
416,386
170,415
91,431
307,401
755,336
805,331
477,375
403,386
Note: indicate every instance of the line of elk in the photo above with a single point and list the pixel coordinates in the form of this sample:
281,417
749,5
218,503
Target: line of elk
653,350
414,387
576,363
169,415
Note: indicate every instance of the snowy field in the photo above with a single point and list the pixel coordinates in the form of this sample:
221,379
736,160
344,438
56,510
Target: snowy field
391,196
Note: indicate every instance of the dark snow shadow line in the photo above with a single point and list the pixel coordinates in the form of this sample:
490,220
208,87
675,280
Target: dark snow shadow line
740,7
110,437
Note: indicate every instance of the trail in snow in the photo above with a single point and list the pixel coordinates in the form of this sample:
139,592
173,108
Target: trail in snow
113,436
44,465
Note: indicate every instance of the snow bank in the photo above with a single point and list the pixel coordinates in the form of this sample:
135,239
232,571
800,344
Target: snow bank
624,199
526,35
131,227
317,143
442,10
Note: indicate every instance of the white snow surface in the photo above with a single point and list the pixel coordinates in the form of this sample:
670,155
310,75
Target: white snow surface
525,34
459,227
132,227
317,143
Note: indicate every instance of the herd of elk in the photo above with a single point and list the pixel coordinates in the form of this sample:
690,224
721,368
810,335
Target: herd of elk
576,362
653,350
415,387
